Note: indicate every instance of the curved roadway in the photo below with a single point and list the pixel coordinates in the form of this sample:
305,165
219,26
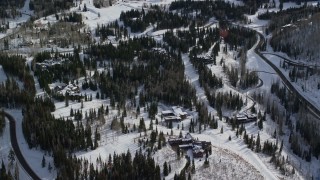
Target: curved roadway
16,149
312,108
291,62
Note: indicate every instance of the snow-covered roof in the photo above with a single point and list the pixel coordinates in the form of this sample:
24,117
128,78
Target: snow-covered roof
168,118
166,112
188,135
185,145
178,111
186,139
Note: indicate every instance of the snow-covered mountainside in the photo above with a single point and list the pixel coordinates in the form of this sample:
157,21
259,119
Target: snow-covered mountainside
162,89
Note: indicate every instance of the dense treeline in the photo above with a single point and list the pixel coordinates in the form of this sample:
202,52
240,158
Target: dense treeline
288,16
138,21
11,94
12,3
118,166
204,118
39,128
2,122
249,79
308,128
233,75
207,38
296,45
288,100
4,174
41,56
16,66
206,77
55,136
66,68
202,38
71,17
10,8
111,29
47,7
228,100
303,130
239,36
206,9
161,74
124,52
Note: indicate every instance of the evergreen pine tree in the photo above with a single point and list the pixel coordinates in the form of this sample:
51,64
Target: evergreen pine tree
258,146
49,167
189,176
43,163
281,147
165,169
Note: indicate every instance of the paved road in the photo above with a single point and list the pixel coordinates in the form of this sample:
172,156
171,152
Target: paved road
16,149
314,110
291,62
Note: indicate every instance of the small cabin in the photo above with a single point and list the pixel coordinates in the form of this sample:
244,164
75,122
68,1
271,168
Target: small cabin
172,119
167,113
245,118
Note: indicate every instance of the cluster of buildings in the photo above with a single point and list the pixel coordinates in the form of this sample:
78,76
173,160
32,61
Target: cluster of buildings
245,118
174,115
186,143
39,26
72,89
51,62
206,59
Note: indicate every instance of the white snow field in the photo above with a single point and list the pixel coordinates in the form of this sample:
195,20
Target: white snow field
225,165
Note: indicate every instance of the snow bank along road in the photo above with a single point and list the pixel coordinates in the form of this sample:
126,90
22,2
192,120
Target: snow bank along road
290,62
313,109
16,149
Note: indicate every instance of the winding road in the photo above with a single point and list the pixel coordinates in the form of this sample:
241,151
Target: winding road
16,149
314,110
291,62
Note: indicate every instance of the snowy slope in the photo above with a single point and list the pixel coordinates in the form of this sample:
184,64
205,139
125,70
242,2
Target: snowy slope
233,153
5,147
308,88
13,23
3,76
32,156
